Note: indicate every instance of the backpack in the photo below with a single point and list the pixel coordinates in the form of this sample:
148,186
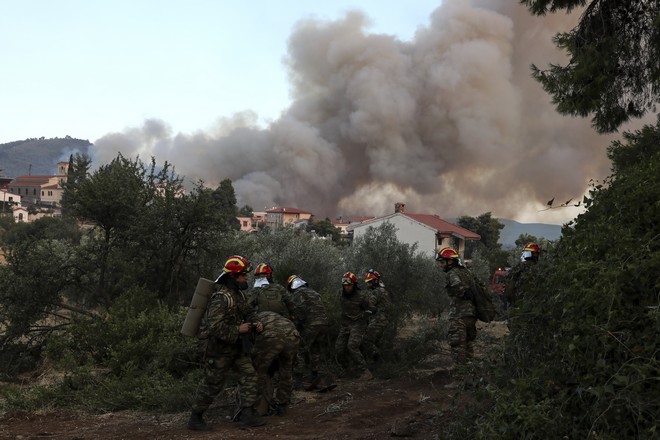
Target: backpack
483,302
269,298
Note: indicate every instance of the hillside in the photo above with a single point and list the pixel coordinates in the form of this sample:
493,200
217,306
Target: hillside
42,154
513,229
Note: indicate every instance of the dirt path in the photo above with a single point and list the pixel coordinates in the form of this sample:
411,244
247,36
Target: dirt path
418,406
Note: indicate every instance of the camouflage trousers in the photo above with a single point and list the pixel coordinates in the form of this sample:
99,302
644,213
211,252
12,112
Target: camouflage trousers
217,367
280,353
349,341
462,331
373,338
309,354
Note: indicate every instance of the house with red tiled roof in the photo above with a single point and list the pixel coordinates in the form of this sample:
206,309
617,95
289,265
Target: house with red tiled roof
41,189
429,231
279,217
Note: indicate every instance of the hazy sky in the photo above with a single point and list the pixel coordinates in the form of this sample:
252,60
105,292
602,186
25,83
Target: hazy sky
85,68
338,107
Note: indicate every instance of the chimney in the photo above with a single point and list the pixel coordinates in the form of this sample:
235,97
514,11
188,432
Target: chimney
398,207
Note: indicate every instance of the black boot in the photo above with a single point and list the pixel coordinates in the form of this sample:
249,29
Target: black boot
281,409
249,418
197,423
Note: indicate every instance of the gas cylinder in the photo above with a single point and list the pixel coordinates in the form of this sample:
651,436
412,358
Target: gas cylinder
205,288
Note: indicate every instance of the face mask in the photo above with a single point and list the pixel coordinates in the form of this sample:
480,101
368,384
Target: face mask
526,255
260,282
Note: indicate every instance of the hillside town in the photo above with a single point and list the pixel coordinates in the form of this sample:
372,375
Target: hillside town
30,197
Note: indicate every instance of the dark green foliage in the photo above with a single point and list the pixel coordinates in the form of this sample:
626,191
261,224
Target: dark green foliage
324,228
613,70
487,247
225,199
139,359
582,358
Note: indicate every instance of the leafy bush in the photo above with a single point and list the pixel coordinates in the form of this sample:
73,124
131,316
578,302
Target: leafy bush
582,359
133,357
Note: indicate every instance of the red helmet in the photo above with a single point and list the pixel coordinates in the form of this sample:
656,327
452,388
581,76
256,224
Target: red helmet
237,264
294,282
263,269
371,275
447,254
348,278
532,247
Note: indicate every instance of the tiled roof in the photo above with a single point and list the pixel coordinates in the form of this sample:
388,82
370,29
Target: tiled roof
441,225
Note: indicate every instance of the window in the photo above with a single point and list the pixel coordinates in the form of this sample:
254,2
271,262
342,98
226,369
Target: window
42,193
50,193
34,191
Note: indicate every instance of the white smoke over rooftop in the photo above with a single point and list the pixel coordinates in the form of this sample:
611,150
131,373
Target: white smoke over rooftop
450,122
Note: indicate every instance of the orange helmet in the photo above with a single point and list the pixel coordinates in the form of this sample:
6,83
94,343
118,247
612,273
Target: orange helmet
348,278
447,254
532,247
263,269
371,275
237,264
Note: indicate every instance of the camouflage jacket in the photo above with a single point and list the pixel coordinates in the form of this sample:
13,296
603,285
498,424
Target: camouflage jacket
380,298
226,311
459,282
309,308
276,327
273,298
516,279
354,307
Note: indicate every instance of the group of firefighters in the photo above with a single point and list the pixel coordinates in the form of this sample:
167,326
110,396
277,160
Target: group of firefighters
278,332
272,331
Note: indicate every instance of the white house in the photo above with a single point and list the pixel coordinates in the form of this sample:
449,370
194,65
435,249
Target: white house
429,231
20,214
8,197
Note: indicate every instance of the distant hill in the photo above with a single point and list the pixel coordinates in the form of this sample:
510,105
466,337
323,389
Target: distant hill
43,154
513,229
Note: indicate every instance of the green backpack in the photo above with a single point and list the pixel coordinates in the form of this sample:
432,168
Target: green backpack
269,298
483,302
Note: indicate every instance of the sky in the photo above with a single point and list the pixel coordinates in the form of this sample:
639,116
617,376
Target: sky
336,107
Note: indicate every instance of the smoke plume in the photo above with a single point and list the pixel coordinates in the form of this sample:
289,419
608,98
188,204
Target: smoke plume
449,123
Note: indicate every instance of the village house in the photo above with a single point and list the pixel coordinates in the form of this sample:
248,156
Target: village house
280,217
41,190
429,231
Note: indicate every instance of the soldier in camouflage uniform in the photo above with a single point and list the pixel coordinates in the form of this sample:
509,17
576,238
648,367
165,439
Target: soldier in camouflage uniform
380,299
355,311
462,313
228,316
276,346
269,296
517,276
312,322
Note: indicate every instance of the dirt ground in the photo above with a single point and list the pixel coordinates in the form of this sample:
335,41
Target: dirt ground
417,406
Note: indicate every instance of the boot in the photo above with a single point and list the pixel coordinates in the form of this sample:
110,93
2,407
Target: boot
281,409
197,423
249,418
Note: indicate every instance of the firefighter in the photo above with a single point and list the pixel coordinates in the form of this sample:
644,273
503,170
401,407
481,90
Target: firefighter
312,322
355,311
380,299
516,277
228,317
462,313
268,295
275,350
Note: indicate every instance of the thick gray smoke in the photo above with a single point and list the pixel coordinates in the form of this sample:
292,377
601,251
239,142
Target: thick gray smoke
449,123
